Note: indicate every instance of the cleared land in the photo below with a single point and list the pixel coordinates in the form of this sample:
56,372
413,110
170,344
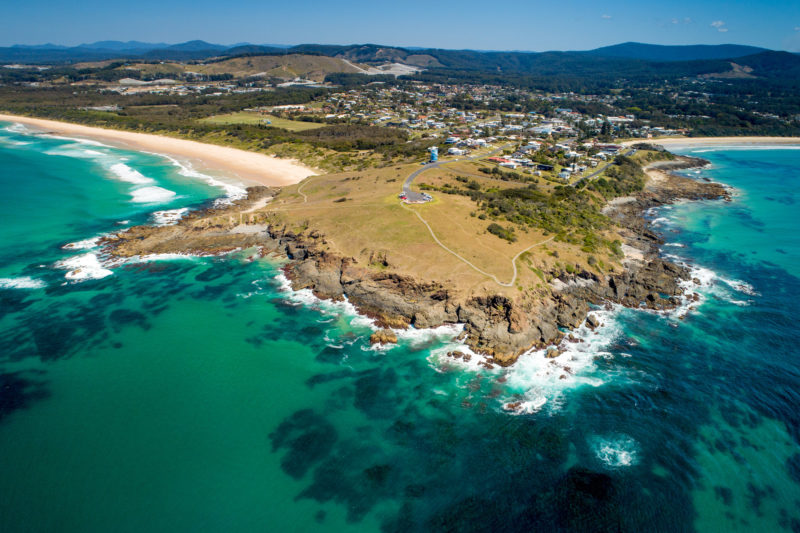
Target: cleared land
285,66
361,217
251,117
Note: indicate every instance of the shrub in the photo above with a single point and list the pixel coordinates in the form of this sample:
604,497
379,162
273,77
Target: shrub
503,233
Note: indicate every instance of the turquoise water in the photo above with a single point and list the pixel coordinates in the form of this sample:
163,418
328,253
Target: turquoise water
199,395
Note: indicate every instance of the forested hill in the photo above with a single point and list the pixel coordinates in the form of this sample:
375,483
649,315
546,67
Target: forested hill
654,52
634,62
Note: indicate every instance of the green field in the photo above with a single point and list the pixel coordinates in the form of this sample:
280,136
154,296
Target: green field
248,117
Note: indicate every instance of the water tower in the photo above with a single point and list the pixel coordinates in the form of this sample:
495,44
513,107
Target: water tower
434,150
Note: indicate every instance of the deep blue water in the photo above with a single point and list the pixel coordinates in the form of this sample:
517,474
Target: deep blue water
199,395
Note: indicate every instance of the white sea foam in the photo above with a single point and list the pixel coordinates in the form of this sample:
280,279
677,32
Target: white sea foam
536,379
24,282
83,267
145,190
411,336
168,217
85,244
152,195
233,191
16,127
306,297
416,337
78,140
125,173
12,142
704,282
615,451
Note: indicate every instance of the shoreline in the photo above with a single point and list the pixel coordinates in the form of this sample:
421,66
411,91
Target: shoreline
716,141
250,167
397,301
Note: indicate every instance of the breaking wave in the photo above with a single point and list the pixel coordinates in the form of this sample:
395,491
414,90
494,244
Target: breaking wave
23,282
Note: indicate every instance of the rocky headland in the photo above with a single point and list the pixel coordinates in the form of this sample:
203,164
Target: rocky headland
496,325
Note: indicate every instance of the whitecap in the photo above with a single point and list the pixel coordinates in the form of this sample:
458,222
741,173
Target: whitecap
82,245
535,376
78,140
168,217
527,407
306,297
416,337
83,267
129,175
17,127
615,451
152,195
24,282
412,336
233,191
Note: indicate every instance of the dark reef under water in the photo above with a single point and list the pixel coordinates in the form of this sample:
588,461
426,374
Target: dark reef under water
196,395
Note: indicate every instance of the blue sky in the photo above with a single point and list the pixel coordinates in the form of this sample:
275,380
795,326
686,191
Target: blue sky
477,24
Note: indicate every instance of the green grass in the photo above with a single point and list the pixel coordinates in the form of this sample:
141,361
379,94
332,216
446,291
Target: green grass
248,117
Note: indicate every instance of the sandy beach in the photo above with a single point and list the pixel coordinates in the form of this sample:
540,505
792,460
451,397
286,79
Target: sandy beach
250,167
717,141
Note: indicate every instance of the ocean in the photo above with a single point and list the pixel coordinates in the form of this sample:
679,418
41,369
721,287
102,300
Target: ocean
173,393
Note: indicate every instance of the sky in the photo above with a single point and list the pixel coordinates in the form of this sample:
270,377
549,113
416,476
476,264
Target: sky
531,25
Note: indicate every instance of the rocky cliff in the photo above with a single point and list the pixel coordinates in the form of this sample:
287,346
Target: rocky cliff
498,326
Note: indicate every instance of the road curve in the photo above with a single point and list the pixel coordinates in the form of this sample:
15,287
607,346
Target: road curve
416,197
600,171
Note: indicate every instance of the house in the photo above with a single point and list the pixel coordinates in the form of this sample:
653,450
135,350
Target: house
545,168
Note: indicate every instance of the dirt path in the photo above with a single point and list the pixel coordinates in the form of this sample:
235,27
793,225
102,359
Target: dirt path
468,263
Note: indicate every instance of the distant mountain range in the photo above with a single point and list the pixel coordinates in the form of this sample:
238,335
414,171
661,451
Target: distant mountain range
202,49
627,60
656,52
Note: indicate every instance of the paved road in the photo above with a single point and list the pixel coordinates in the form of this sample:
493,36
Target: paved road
417,197
598,172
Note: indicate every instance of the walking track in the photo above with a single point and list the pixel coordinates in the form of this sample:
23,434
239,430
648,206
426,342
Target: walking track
417,197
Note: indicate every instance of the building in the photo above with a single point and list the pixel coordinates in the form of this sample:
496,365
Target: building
434,150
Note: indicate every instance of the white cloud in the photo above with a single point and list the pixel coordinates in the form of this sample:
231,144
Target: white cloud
720,25
722,30
606,17
687,20
797,28
675,21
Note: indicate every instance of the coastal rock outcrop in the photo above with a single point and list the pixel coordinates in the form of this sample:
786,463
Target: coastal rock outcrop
383,336
498,326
